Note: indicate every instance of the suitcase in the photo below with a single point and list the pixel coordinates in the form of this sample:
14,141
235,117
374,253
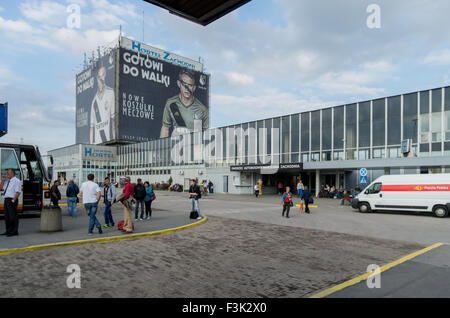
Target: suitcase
193,215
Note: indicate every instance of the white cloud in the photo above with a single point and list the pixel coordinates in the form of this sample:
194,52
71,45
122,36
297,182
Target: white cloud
45,12
239,79
438,58
85,41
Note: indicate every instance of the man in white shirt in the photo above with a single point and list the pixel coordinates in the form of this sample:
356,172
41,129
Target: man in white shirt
91,194
102,111
12,191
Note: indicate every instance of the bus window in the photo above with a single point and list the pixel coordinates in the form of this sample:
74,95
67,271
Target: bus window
9,161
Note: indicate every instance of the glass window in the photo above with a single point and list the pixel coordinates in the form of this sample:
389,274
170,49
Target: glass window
295,134
338,129
260,139
269,135
305,131
447,125
350,126
447,98
286,126
378,153
364,124
379,122
326,129
276,127
394,120
326,156
338,155
315,156
315,130
410,117
374,188
9,161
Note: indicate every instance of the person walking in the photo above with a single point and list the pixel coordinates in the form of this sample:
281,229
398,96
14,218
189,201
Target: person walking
91,194
211,187
150,196
109,196
72,198
194,196
55,194
300,188
11,193
139,196
287,201
306,196
128,192
256,190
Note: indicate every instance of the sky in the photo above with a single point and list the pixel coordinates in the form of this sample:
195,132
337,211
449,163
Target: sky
266,59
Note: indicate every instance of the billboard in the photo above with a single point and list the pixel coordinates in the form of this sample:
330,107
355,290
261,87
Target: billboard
96,102
159,99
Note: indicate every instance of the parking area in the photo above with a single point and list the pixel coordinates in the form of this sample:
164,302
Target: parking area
245,249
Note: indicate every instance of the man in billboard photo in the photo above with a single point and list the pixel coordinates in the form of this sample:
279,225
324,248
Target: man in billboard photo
102,111
184,113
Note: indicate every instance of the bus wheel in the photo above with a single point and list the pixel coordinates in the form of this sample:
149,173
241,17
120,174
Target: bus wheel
364,207
440,211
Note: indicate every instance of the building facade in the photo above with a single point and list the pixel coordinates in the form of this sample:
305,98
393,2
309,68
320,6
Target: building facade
403,134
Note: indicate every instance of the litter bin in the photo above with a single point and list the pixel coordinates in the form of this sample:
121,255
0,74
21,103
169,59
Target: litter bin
51,220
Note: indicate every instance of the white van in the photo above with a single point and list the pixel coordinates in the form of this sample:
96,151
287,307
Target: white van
414,192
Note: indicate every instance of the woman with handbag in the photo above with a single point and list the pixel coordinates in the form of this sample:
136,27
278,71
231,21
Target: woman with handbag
287,202
150,196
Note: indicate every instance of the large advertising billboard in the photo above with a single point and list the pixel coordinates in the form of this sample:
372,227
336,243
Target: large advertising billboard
158,99
96,102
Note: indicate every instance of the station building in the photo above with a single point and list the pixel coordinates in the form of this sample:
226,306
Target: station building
403,134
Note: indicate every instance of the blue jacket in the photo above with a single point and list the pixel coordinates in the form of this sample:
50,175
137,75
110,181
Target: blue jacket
72,191
285,196
306,195
149,192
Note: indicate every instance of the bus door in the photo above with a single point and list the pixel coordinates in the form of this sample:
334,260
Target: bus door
32,180
9,160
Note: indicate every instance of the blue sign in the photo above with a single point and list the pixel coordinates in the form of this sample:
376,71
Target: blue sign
3,119
363,180
363,172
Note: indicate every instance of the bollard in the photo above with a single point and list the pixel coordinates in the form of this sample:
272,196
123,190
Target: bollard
51,220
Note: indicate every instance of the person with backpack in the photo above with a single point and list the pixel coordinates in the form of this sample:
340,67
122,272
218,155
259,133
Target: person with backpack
194,195
139,196
109,197
306,197
287,201
150,196
72,198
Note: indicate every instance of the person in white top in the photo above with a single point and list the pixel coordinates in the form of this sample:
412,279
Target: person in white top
300,188
256,190
102,111
91,194
12,191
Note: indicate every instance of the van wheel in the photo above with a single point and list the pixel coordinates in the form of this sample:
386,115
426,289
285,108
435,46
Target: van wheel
364,207
440,211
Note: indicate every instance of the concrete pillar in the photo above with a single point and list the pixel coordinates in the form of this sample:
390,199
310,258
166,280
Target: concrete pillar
317,182
337,181
51,220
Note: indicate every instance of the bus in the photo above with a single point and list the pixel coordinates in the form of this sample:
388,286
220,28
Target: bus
27,163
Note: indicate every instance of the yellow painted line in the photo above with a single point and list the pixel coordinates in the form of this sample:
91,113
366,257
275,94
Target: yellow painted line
310,206
358,279
123,237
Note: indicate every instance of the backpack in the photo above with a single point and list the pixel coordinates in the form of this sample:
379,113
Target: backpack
139,192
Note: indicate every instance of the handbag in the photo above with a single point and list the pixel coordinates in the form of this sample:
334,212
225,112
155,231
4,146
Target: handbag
153,197
311,200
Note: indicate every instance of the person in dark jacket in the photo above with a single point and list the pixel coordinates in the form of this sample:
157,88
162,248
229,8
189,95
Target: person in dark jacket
139,196
55,195
194,196
287,201
72,194
306,196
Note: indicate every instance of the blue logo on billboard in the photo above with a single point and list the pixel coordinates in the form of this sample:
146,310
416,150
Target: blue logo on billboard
98,153
167,56
87,151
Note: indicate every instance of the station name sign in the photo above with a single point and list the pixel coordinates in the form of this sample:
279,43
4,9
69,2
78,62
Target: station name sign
257,168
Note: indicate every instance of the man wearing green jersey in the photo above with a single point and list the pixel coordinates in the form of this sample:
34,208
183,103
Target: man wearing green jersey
184,113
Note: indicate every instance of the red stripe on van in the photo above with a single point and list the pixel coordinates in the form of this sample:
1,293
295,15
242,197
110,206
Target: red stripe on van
416,187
